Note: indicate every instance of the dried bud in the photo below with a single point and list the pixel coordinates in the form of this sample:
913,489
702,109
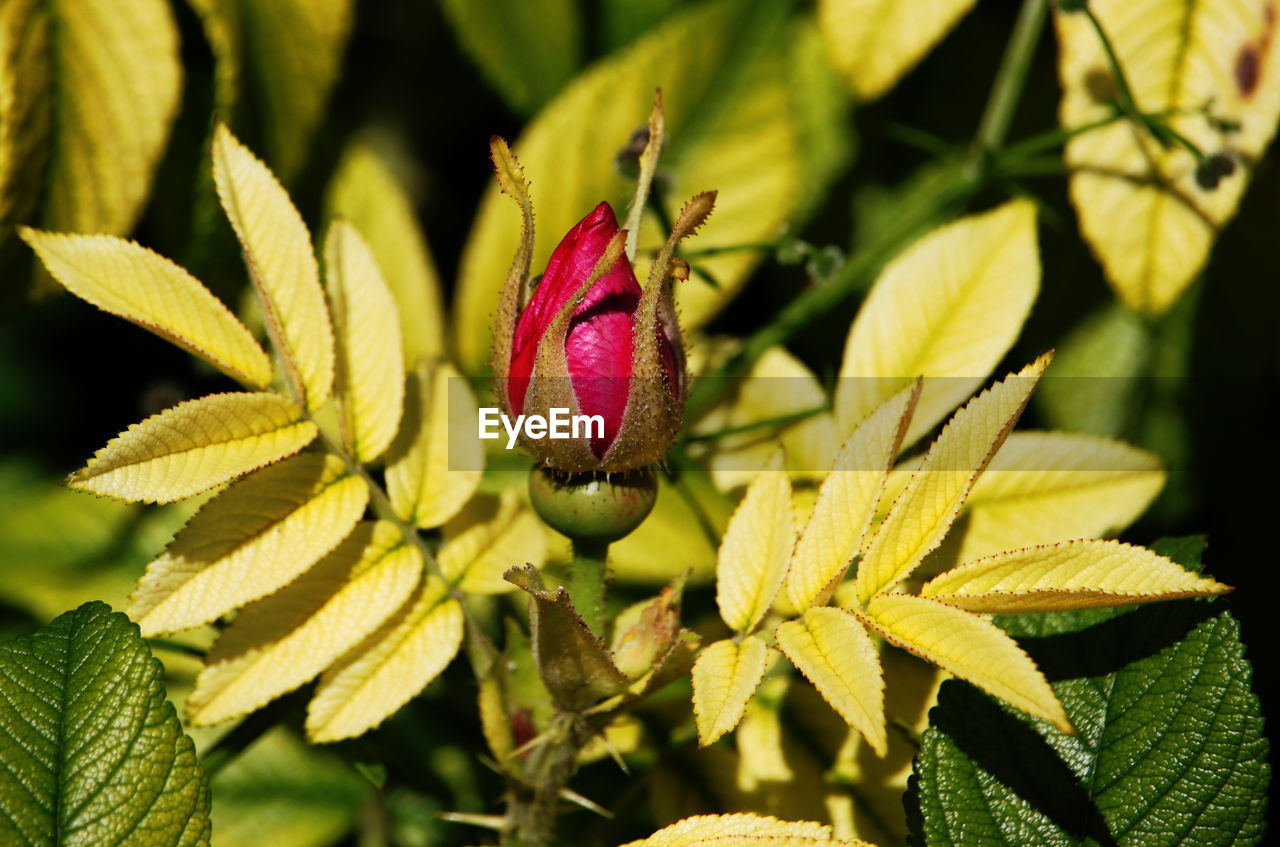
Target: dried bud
645,632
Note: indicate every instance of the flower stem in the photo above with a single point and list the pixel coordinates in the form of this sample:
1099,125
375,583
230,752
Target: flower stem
1011,78
587,582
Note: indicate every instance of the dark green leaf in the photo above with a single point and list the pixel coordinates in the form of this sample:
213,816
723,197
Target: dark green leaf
527,49
91,752
1170,747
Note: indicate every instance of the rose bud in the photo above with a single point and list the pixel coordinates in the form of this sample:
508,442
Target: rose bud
587,338
619,357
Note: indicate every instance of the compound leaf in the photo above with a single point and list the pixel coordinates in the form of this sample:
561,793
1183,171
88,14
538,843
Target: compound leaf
847,500
968,646
1045,487
927,507
756,549
1071,574
487,537
97,86
365,191
832,649
287,54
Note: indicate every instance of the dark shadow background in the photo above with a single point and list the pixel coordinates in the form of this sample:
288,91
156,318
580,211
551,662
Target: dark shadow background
71,377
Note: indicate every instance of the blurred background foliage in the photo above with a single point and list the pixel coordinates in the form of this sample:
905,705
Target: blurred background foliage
425,84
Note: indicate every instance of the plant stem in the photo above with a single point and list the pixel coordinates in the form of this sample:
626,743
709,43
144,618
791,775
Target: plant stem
1011,78
1165,135
587,581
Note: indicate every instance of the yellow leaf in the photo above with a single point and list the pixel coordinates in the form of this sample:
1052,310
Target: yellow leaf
777,386
436,461
725,676
1069,575
834,652
195,446
968,646
847,501
927,507
277,249
741,830
25,110
286,54
877,815
366,192
756,549
1044,487
130,281
378,676
250,540
370,365
282,641
751,148
1140,208
947,309
490,535
874,43
114,79
689,514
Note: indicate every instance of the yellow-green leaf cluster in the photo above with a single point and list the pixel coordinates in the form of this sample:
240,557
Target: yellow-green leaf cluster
318,590
1142,210
943,624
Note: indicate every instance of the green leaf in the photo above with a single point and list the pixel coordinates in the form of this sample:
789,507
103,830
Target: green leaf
1170,749
1097,371
527,49
60,548
276,60
91,752
282,793
573,661
743,117
90,91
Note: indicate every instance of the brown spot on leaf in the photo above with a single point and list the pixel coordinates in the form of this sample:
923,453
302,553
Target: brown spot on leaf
1248,70
1100,85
